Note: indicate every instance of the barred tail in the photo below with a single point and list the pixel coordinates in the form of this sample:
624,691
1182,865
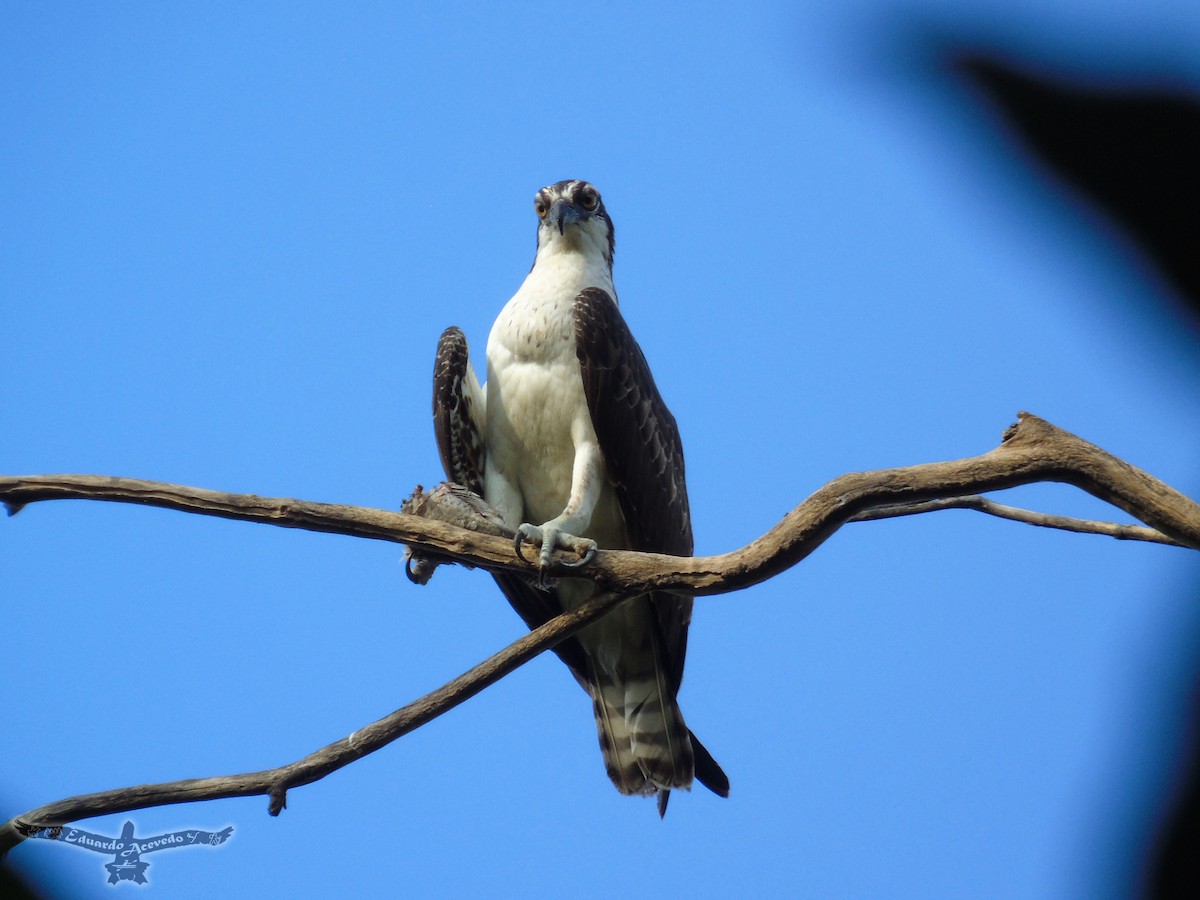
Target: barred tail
647,747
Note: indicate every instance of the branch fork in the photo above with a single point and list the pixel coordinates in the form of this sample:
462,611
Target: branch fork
449,524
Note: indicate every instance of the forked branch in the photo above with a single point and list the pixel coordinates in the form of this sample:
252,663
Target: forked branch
1033,450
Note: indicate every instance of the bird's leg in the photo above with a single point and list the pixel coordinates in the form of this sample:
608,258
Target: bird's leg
563,532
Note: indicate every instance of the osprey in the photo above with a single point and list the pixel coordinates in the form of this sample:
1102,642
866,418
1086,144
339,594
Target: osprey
569,438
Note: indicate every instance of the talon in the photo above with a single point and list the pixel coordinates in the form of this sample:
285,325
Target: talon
533,535
408,570
582,561
550,538
517,541
419,568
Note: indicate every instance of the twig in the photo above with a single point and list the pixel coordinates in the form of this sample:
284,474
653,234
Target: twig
1028,516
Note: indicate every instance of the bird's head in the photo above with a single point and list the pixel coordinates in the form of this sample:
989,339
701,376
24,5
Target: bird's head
571,216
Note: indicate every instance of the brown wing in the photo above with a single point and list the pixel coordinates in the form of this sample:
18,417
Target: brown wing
642,450
455,421
644,457
456,425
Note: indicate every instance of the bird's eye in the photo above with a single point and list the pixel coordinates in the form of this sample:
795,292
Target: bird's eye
589,199
540,207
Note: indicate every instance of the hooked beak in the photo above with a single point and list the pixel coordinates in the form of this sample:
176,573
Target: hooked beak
563,213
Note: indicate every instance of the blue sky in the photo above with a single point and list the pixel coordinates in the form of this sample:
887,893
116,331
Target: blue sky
230,238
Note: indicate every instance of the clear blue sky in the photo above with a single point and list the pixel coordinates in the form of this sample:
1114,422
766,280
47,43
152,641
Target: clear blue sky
229,238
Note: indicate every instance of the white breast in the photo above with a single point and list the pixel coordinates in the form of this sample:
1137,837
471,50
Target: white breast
535,400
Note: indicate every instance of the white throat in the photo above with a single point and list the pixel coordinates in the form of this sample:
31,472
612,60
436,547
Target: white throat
565,265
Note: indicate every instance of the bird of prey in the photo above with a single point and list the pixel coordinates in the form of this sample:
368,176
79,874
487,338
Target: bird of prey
569,438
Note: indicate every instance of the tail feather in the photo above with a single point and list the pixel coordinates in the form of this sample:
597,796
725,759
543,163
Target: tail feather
708,772
659,737
615,745
647,747
643,738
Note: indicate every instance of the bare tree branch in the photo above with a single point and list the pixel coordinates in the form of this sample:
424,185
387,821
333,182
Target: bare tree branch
1032,450
275,783
1028,516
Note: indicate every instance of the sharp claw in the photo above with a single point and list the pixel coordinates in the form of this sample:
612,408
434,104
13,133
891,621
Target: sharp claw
583,561
517,541
550,540
419,568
